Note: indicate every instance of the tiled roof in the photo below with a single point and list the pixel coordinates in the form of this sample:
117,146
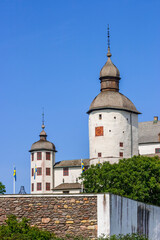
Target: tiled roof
68,186
72,163
148,132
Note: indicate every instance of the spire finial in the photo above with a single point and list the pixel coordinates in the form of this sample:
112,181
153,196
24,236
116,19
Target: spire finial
43,126
108,53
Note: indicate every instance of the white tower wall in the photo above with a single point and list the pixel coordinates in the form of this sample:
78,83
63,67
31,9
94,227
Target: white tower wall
119,126
43,178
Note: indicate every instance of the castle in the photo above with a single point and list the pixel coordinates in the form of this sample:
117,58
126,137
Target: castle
114,133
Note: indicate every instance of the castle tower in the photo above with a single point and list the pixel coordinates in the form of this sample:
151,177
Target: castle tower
42,161
113,119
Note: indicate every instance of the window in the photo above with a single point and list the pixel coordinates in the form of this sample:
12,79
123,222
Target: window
32,187
114,117
65,171
121,154
39,186
39,156
98,131
100,116
48,172
66,192
99,154
32,156
109,130
121,144
48,156
39,171
32,171
47,186
157,150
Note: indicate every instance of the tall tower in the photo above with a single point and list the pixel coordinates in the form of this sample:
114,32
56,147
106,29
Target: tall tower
113,119
42,161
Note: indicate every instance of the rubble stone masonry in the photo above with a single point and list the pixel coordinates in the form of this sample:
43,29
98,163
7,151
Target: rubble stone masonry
71,214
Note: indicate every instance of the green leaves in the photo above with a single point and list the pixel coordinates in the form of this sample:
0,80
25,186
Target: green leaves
16,230
137,178
2,188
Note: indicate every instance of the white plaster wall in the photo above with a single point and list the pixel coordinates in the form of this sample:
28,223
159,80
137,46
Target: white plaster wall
73,191
129,216
42,178
108,144
148,148
103,215
74,172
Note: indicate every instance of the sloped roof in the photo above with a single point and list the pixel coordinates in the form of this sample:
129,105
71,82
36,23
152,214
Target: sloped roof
67,186
112,100
71,163
148,132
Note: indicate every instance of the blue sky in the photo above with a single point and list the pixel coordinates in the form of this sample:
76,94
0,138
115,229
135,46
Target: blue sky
51,53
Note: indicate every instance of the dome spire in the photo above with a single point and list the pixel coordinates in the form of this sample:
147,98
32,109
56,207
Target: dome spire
108,53
43,135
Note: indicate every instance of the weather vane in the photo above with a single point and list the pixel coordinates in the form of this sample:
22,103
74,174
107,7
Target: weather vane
43,118
108,37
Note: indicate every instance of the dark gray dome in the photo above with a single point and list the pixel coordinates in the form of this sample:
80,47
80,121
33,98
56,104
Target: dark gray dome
43,145
112,100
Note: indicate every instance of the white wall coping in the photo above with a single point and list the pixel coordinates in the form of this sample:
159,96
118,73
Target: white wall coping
49,195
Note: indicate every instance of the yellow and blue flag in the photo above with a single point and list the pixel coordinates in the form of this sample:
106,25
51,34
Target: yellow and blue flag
83,168
14,173
35,170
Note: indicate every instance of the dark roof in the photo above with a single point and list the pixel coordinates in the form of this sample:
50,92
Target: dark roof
68,186
148,132
112,100
43,145
72,163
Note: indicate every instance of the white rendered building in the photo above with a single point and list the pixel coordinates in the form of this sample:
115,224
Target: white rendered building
113,120
149,137
42,162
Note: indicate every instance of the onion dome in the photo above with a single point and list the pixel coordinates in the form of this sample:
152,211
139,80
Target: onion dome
110,98
109,69
43,144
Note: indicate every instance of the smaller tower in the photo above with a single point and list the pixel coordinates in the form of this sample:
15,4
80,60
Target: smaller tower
42,161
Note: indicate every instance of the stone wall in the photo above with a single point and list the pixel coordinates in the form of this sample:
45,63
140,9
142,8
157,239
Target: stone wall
74,215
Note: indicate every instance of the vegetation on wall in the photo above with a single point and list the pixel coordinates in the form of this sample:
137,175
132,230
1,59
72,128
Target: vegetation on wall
21,230
137,178
2,188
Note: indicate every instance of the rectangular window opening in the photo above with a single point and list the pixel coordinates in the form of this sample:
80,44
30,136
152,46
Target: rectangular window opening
32,187
121,154
99,154
48,171
65,171
32,171
100,116
39,156
48,156
39,186
121,144
157,150
39,171
32,156
47,186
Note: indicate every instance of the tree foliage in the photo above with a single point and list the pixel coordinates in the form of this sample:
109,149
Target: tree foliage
15,230
137,178
2,188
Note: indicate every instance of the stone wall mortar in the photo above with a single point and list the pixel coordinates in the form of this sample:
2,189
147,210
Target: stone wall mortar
74,215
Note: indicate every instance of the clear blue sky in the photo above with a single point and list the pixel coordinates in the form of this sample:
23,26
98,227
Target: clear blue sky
51,53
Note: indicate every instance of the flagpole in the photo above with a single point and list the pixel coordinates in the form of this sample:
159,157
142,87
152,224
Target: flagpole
14,183
82,181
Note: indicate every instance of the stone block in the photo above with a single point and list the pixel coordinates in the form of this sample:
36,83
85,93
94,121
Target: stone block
69,221
46,220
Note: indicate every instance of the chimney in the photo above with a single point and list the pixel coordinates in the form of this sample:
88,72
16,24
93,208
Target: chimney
155,119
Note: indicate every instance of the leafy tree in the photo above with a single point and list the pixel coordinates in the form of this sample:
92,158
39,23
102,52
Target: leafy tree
15,230
2,188
137,178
